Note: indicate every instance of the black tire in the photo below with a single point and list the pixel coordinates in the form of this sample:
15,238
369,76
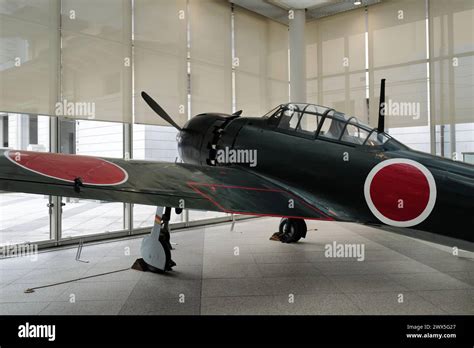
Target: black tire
292,230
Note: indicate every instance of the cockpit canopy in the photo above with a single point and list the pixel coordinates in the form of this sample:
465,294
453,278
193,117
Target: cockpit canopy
317,121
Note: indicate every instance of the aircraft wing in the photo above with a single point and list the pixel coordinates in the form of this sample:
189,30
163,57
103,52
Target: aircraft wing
225,189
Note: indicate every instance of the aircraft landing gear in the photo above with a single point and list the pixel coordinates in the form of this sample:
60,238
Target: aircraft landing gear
156,247
290,231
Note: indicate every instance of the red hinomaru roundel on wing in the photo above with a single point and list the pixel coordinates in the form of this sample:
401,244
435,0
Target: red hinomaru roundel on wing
91,170
400,192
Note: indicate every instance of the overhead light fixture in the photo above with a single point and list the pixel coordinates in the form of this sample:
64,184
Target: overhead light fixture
357,2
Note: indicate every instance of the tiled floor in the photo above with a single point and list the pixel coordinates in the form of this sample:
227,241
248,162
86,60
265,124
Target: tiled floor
221,271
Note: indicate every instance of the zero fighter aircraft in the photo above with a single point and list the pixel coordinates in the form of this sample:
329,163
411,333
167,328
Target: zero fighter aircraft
299,161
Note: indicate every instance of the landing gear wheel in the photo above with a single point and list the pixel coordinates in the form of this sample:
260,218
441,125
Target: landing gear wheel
290,230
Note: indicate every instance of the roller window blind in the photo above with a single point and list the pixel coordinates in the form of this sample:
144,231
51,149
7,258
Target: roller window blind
452,61
335,59
397,52
29,56
160,59
261,46
210,52
96,59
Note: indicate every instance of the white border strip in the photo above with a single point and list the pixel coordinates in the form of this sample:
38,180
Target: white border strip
6,153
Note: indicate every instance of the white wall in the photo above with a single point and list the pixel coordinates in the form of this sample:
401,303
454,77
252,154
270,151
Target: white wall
155,143
464,138
97,138
43,133
418,138
18,133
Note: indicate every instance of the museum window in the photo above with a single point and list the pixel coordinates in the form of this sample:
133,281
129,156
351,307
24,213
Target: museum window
81,217
24,217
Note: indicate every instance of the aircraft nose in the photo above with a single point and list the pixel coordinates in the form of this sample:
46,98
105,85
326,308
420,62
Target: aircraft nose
190,138
200,123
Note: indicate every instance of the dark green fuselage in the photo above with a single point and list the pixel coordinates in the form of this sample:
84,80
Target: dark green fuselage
331,174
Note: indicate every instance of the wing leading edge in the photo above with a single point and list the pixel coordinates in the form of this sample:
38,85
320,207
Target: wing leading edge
224,189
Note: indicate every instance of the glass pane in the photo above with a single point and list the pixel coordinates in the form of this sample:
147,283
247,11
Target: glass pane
331,128
308,124
203,215
24,217
289,119
318,109
376,139
354,134
93,138
82,217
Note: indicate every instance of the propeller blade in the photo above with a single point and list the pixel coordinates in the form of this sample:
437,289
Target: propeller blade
159,110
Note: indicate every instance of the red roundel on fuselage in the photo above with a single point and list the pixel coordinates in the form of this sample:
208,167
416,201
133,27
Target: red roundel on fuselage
400,191
91,170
